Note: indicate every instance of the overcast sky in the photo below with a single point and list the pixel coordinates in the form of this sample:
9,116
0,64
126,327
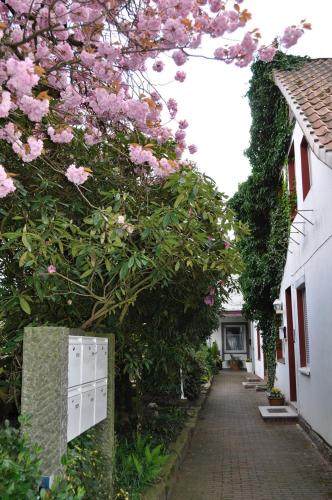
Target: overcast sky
212,97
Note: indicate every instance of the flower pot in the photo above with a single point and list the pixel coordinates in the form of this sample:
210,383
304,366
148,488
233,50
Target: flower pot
249,366
276,401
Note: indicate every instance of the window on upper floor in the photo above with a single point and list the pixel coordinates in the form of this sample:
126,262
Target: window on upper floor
292,181
303,326
305,167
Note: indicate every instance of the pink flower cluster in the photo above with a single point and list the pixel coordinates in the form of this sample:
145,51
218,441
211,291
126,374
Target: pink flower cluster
180,76
63,135
5,104
92,59
210,297
77,175
6,183
22,76
35,109
291,36
141,156
29,151
267,54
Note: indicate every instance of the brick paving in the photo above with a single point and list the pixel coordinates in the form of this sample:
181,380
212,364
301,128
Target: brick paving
235,455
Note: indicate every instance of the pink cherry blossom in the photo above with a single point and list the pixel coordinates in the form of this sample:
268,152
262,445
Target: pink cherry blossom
22,76
61,136
180,76
209,300
266,54
215,5
172,107
76,175
158,66
291,36
92,136
179,57
183,124
29,151
51,269
5,104
6,183
93,59
35,109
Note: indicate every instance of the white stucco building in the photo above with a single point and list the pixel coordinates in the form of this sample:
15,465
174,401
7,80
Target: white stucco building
233,336
304,364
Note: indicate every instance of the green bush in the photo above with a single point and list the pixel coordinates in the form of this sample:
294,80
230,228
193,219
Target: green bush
138,464
20,463
85,470
164,424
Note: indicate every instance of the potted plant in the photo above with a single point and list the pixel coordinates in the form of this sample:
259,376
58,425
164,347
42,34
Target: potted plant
235,363
276,397
249,365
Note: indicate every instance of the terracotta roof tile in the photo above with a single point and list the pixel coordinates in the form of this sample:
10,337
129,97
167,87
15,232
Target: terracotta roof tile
308,91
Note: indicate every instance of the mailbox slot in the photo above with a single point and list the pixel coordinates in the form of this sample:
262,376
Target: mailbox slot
74,361
89,359
88,406
101,400
74,413
102,357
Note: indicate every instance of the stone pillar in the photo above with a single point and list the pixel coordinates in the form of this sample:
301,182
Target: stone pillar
45,396
44,392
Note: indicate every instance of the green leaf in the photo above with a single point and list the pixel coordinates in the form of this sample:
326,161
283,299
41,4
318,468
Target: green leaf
26,242
87,273
25,305
177,266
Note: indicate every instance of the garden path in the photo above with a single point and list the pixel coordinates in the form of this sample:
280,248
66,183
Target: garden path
235,455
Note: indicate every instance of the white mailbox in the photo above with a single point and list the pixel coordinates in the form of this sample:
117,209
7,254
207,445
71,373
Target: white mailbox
87,383
101,400
89,359
74,361
88,406
74,413
102,356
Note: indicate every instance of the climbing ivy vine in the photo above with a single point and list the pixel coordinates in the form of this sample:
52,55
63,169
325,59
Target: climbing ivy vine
262,202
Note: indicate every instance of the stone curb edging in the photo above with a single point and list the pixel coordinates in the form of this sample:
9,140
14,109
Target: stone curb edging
163,488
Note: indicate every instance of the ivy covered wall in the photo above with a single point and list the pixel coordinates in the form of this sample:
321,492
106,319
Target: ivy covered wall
262,202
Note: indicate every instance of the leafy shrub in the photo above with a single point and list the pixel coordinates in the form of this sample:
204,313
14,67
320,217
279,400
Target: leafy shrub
138,464
19,465
164,424
84,468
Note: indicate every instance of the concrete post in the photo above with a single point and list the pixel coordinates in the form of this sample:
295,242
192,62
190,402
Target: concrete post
45,396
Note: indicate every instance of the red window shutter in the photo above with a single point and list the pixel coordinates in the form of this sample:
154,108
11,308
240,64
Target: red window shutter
292,181
300,314
258,344
305,169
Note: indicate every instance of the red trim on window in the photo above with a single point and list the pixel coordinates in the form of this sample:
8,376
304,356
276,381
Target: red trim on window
300,314
305,169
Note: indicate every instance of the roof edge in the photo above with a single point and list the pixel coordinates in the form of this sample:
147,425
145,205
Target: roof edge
319,150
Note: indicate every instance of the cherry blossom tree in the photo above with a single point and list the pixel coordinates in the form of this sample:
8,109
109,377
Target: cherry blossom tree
70,66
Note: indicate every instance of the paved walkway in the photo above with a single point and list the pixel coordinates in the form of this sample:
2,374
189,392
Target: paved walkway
236,456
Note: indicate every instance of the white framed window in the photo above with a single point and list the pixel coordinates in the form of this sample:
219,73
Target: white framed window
235,339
